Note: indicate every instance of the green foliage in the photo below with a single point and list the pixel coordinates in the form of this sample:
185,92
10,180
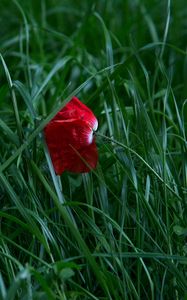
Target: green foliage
118,232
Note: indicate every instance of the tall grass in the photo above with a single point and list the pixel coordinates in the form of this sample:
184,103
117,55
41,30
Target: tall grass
119,231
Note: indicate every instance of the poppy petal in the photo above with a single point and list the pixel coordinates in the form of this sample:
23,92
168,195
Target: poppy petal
75,109
68,141
82,160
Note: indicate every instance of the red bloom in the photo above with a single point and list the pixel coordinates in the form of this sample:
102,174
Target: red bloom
70,140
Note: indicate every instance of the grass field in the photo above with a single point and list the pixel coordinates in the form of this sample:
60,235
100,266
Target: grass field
119,231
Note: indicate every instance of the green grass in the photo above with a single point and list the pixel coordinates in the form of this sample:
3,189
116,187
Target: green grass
118,232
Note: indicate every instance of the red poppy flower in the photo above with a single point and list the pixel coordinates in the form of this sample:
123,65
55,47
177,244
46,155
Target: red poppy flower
70,140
